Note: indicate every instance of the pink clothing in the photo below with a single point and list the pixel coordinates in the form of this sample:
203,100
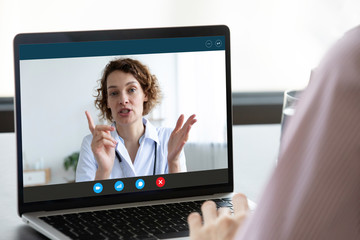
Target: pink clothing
314,193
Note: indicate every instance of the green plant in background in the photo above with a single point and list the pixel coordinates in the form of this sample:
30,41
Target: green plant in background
71,161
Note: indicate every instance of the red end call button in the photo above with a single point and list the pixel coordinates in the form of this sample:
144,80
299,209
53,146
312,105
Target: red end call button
160,182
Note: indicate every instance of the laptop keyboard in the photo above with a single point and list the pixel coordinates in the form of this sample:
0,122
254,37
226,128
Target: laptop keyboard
147,222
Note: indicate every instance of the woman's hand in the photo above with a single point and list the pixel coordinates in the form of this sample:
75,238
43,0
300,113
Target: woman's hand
103,146
218,224
177,140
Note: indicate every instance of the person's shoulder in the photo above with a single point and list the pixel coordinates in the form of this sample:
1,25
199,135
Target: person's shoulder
353,31
348,45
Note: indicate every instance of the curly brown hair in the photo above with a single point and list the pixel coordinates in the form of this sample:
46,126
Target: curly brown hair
148,83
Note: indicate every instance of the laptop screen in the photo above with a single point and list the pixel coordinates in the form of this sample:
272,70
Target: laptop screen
135,85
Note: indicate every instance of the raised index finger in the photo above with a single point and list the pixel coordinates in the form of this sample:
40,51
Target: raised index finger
90,122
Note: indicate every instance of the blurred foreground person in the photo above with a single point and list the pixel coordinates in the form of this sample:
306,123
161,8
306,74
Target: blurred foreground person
314,192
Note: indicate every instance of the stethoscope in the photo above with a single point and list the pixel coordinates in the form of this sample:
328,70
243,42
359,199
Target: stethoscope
120,160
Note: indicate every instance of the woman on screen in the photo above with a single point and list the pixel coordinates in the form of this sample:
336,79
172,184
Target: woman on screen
131,146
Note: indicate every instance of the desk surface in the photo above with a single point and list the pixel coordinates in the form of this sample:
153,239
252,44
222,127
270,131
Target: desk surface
255,154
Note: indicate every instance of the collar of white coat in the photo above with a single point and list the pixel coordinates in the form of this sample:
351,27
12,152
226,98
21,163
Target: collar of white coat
150,132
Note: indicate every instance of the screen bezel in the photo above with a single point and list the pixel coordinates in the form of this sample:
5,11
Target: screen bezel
108,35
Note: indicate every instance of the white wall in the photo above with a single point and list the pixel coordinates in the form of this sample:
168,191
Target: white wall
275,43
256,150
54,97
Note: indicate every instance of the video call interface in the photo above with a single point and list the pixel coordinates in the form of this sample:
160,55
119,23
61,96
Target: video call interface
59,82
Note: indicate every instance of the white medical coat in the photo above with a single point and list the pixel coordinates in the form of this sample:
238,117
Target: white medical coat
144,160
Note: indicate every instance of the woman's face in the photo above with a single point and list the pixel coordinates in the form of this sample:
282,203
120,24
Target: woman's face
125,97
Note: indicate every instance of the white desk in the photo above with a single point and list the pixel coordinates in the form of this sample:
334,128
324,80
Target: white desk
255,154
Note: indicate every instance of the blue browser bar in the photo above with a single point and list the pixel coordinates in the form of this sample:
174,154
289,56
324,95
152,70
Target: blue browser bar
120,47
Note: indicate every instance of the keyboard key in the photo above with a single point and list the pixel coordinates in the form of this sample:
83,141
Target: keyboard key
223,204
154,230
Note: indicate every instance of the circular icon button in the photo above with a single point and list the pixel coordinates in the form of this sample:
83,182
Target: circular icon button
140,184
160,182
218,43
98,187
208,44
119,186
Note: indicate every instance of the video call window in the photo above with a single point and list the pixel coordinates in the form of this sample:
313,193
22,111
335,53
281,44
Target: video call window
56,92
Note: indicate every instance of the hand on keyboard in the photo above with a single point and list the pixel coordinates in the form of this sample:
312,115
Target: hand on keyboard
160,221
218,224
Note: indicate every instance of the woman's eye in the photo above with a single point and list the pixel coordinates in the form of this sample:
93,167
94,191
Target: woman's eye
131,90
113,93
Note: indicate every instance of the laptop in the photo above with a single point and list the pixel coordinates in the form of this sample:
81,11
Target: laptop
57,75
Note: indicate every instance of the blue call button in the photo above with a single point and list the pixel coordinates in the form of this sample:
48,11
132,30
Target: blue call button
140,184
98,187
